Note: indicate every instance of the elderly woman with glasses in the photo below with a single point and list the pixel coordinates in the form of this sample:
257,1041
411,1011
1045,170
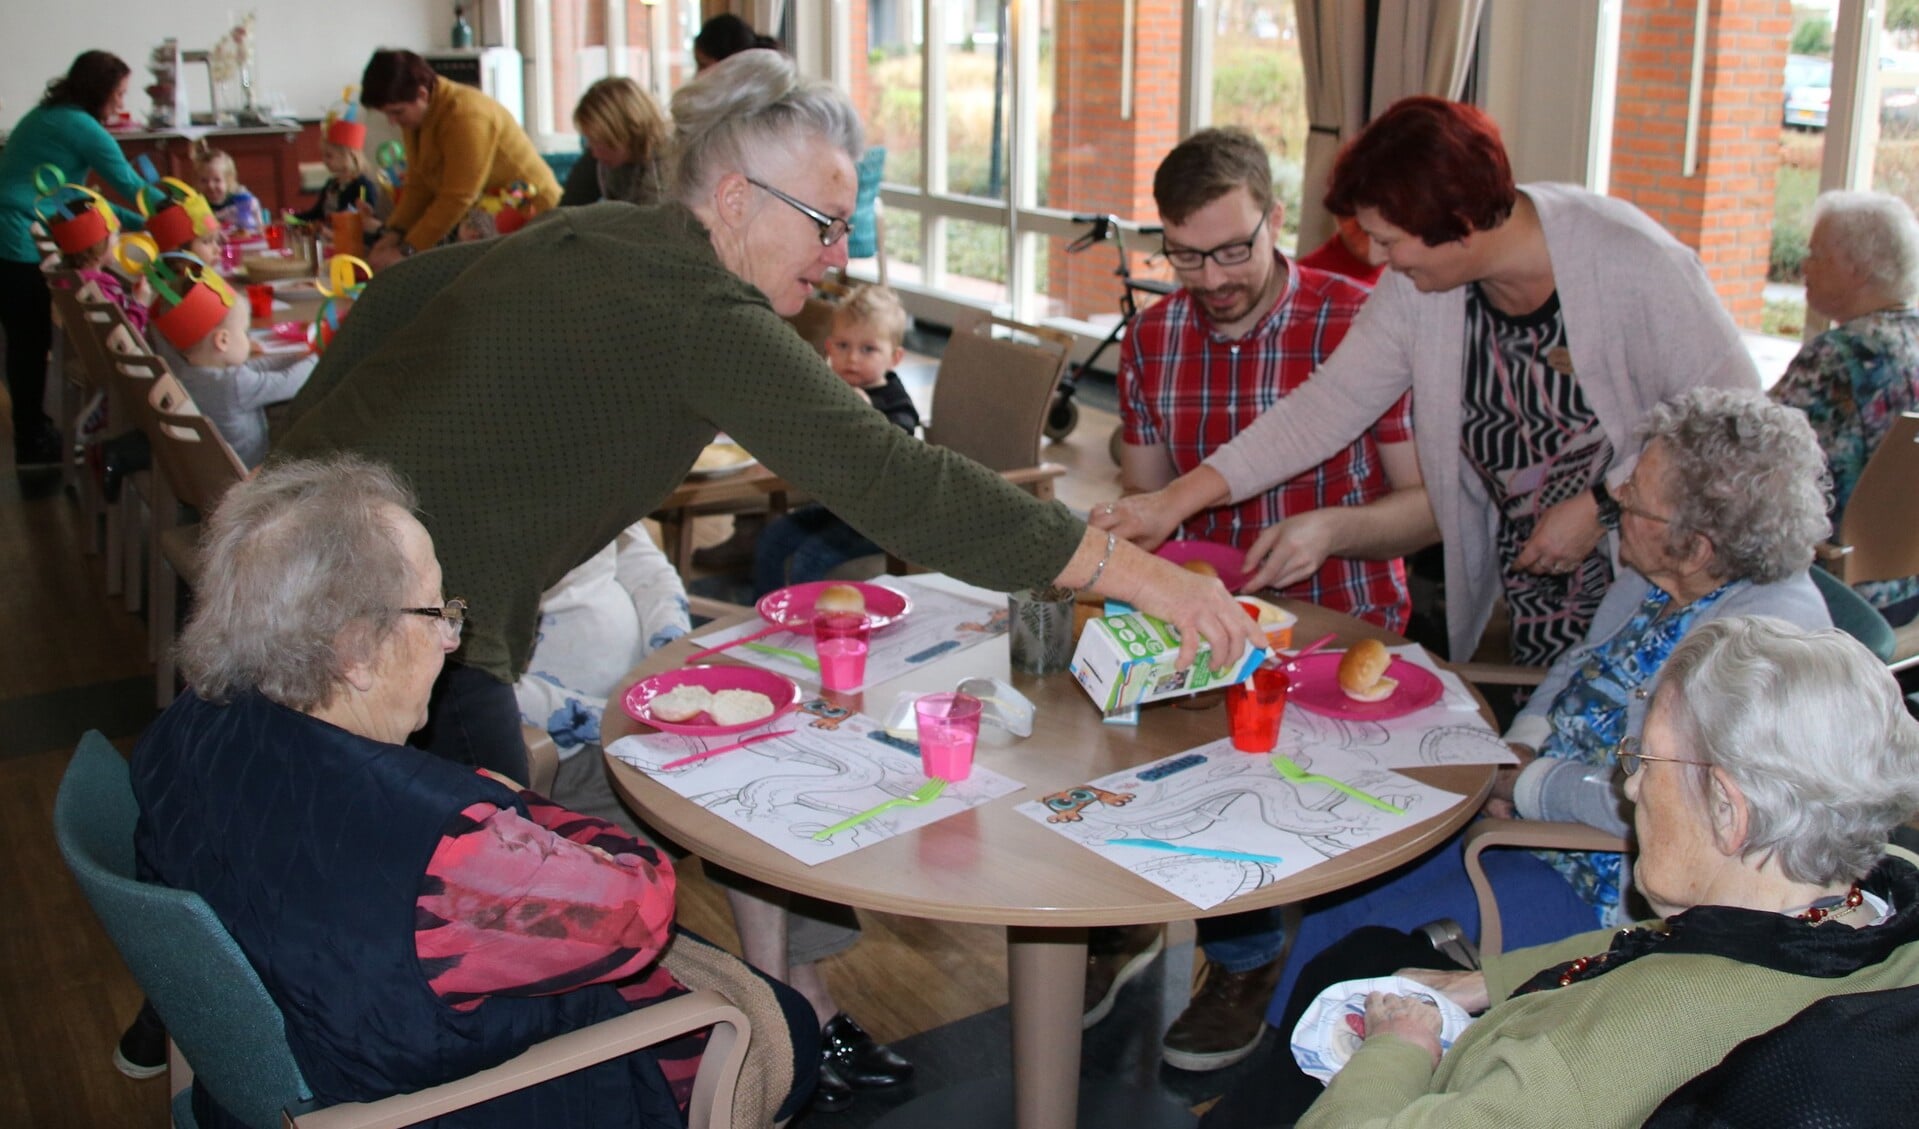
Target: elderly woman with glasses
415,920
1718,519
1853,381
1534,325
1774,766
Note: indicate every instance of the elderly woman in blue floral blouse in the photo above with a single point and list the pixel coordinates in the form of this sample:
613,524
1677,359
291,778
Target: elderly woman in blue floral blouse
1852,381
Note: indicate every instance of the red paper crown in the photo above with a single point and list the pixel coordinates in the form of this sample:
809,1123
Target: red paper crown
76,216
186,217
83,230
351,135
199,312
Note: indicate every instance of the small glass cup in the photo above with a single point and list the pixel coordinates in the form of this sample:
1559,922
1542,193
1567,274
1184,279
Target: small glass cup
1040,630
276,236
948,729
1254,709
260,300
842,664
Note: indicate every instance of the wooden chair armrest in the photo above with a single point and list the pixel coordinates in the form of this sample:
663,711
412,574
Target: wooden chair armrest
1499,674
542,759
1044,472
1831,551
1540,834
713,1087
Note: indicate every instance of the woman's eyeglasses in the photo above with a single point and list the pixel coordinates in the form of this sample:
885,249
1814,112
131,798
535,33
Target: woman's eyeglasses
452,615
1629,757
1226,254
832,228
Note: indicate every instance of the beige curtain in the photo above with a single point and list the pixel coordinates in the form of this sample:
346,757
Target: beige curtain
1421,47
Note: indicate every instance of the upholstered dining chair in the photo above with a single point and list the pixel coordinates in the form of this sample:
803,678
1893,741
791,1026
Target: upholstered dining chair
1878,536
228,1033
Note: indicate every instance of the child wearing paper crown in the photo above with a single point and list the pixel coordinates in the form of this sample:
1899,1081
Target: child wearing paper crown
84,227
182,220
205,345
349,172
220,180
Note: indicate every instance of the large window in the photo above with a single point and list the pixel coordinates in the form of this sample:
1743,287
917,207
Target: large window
578,42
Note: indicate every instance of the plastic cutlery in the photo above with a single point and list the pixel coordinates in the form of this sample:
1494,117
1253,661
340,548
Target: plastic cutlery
740,744
1288,660
698,656
1200,852
807,661
918,797
1284,765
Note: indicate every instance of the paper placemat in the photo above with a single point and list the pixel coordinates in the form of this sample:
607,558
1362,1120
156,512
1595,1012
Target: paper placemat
940,623
833,765
1217,799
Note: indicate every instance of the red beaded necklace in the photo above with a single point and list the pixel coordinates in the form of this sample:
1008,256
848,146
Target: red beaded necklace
1814,915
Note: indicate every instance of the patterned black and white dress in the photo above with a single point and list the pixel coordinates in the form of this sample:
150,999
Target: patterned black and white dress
1528,432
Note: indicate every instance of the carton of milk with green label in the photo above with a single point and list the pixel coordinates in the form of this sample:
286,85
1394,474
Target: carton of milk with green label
1128,658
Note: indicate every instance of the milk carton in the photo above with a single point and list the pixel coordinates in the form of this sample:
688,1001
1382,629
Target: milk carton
1126,659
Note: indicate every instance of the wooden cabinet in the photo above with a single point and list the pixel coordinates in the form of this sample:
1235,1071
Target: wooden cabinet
266,157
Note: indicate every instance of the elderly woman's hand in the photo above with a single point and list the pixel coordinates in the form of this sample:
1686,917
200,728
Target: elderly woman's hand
1416,1021
1467,989
1564,536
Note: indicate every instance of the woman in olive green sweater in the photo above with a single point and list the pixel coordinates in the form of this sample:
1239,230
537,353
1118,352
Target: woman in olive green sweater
460,145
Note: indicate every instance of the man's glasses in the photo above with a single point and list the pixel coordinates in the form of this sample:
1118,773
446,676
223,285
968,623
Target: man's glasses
1226,254
1629,757
832,228
452,615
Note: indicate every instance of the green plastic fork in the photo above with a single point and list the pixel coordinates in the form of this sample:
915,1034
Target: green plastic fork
918,797
1285,766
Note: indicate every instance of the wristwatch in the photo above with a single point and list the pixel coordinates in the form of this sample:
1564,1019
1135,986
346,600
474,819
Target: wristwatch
1608,507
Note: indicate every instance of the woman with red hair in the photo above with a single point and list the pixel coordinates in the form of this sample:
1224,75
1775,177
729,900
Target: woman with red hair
1535,324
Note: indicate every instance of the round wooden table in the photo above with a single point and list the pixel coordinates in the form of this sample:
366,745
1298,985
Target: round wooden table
993,865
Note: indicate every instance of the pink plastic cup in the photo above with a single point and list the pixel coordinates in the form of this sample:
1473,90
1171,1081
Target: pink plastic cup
1254,709
842,664
949,728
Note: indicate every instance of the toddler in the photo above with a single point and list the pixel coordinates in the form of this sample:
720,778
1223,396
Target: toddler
349,173
220,180
230,385
91,265
863,346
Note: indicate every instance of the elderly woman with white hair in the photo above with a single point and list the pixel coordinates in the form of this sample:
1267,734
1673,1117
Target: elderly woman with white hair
1773,767
415,920
1852,381
1718,519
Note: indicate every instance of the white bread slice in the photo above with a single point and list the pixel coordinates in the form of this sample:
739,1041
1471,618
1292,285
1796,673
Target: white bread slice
740,707
682,703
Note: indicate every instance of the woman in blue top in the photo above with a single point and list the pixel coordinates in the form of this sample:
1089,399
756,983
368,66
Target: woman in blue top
65,130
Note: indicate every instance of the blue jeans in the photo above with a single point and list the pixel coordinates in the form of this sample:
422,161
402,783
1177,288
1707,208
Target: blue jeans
803,546
1241,942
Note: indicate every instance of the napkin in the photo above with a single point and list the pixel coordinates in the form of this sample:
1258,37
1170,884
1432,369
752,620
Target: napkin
1334,1024
1456,696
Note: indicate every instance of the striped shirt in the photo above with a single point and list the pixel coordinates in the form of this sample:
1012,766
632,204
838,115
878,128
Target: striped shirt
1185,386
549,903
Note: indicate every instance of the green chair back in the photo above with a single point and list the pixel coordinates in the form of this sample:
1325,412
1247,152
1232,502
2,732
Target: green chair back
216,1010
1853,615
862,241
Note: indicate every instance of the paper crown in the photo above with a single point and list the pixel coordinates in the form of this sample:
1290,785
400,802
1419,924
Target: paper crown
508,206
347,276
343,124
190,300
76,216
179,213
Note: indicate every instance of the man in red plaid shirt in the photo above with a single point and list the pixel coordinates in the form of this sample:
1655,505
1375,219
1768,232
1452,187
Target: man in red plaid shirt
1247,328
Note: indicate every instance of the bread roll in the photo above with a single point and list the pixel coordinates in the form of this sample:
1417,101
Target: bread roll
839,599
682,703
1204,568
1362,673
740,707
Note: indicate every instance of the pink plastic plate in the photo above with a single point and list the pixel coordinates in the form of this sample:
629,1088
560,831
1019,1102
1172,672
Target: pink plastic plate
1316,688
1225,558
783,691
792,607
293,331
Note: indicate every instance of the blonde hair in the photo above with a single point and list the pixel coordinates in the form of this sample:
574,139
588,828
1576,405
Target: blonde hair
877,306
204,157
356,158
87,257
615,111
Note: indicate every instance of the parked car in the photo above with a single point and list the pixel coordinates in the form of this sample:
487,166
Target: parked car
1808,92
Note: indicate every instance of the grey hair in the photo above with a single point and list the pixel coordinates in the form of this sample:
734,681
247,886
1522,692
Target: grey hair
1877,234
303,573
748,103
1810,728
1748,475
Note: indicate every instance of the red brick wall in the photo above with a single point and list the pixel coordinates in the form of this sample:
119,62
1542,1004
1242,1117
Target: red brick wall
1100,162
858,85
1725,209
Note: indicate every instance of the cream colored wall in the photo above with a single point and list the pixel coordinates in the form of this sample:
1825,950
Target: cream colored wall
307,51
1537,73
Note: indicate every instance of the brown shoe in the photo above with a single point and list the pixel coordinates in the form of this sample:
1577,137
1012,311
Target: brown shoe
1224,1021
1114,956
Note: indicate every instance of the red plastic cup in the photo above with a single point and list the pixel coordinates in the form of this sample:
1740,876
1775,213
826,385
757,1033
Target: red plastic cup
841,625
260,300
1254,709
276,236
842,664
949,728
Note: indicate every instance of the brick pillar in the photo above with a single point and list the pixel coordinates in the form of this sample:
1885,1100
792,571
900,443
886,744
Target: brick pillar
1724,210
859,86
1101,162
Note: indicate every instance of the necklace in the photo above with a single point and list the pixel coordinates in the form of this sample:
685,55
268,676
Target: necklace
1834,909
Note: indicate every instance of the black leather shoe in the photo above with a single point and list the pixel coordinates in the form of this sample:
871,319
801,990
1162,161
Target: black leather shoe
848,1050
142,1051
831,1094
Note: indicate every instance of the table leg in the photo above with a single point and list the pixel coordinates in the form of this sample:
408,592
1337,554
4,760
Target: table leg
1046,973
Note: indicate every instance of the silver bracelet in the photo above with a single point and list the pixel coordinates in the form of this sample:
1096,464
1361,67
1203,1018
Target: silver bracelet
1099,570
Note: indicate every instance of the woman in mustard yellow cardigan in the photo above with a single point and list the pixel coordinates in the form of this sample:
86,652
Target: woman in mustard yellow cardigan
460,145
